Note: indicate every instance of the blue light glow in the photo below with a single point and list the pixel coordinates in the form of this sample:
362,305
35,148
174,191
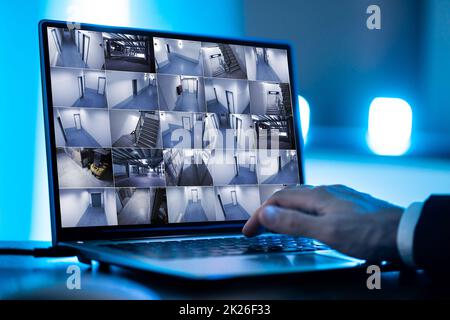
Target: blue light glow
304,116
151,14
19,111
390,125
112,12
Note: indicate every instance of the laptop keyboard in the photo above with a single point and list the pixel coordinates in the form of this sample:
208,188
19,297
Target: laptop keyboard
220,246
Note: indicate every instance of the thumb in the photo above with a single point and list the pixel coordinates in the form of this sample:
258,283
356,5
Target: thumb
289,221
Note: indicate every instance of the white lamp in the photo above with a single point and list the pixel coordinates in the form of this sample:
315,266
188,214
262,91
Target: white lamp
390,126
304,116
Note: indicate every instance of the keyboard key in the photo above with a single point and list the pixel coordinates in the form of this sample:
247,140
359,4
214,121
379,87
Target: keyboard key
220,246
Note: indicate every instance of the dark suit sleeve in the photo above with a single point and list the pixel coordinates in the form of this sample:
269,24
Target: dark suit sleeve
431,246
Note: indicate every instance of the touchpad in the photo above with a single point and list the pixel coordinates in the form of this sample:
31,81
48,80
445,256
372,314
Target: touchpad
262,264
299,262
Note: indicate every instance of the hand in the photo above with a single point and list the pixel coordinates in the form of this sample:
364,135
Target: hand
351,222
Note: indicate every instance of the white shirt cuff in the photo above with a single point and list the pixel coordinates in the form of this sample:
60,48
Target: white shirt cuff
405,234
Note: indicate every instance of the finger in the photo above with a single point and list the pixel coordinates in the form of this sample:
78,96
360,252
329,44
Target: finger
252,227
290,197
289,221
304,198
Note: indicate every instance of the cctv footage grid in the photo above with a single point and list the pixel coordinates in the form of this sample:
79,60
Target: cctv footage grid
157,130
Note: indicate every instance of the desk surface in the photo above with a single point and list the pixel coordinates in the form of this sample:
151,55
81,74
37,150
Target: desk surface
28,277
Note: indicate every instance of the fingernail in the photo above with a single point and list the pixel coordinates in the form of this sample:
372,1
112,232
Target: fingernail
270,214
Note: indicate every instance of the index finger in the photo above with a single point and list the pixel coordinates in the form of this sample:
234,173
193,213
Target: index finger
303,197
253,226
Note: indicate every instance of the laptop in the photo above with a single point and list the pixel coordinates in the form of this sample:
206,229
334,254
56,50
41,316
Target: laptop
161,145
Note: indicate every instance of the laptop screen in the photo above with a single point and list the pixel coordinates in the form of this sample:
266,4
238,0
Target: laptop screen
155,131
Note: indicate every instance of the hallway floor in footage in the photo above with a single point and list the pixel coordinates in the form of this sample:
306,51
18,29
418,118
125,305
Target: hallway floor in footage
69,57
80,138
194,212
147,99
137,209
145,180
178,65
235,212
93,216
71,175
287,175
91,99
265,72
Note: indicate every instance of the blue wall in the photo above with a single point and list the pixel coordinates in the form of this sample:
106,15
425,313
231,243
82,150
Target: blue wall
436,66
19,92
341,64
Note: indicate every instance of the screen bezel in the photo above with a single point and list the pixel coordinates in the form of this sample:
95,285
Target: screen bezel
139,231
